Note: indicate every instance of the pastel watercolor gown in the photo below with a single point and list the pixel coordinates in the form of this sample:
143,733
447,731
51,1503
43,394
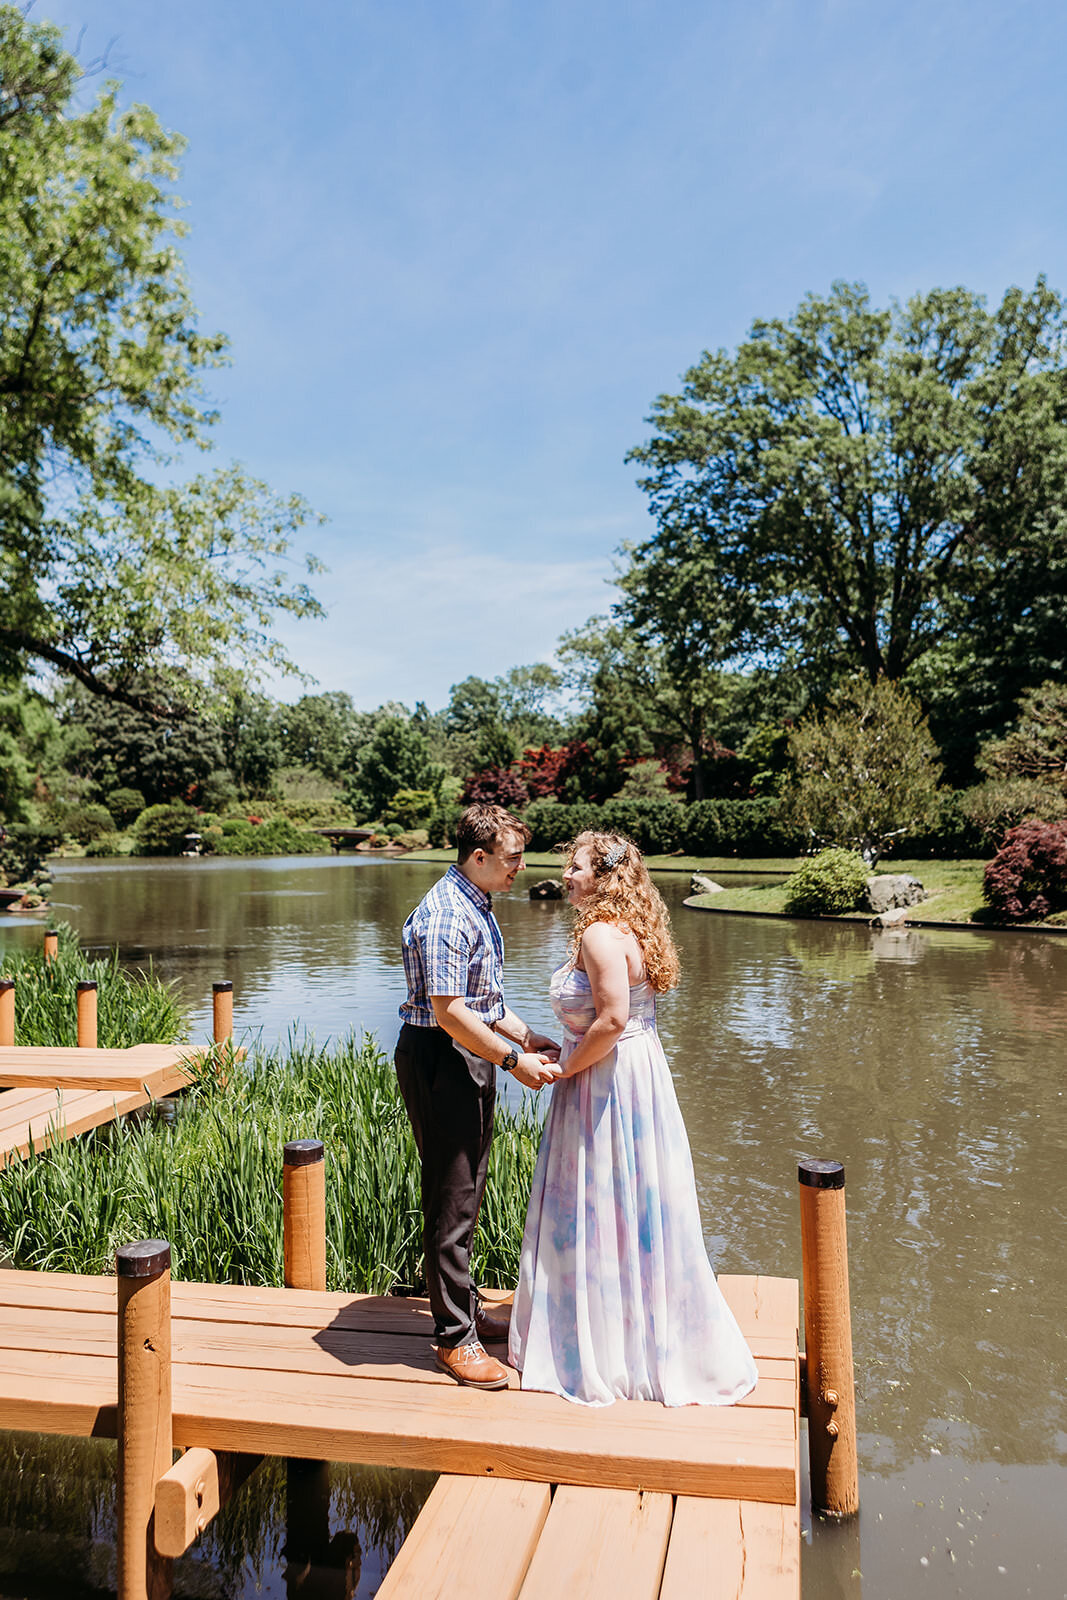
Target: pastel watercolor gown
616,1296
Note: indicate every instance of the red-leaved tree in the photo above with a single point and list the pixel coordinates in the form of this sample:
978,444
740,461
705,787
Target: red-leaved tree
1027,878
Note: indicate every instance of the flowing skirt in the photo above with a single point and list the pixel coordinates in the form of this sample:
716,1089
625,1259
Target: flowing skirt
616,1296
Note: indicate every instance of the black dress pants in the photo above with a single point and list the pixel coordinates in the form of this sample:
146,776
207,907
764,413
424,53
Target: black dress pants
451,1115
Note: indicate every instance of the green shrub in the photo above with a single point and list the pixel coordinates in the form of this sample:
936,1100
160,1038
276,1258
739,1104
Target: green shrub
84,821
409,808
828,885
276,837
161,830
108,844
125,805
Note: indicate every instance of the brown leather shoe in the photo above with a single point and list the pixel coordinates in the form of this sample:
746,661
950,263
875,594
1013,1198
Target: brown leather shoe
491,1323
469,1364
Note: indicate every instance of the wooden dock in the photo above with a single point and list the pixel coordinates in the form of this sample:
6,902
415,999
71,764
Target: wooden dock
635,1499
52,1093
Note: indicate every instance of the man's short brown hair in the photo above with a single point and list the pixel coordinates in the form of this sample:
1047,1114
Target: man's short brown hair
480,827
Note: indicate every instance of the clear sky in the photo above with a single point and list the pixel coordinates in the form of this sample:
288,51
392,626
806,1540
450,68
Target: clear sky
459,247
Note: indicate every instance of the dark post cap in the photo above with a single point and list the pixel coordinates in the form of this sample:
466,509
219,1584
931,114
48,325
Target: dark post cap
821,1174
6,983
51,933
84,988
223,986
144,1260
303,1152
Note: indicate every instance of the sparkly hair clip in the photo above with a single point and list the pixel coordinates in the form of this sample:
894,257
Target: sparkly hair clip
614,856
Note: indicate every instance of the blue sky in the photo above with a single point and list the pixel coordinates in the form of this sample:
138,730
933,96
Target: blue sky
460,247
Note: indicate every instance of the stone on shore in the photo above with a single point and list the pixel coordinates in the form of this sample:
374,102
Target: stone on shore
889,891
546,889
699,884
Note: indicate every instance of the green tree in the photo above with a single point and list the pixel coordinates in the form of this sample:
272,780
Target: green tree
115,746
396,757
324,731
251,741
1036,746
865,490
103,571
867,768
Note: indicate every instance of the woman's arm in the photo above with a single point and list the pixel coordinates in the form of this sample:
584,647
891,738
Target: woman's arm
604,959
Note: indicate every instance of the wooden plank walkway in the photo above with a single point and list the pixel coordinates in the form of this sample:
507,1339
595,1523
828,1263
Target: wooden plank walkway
351,1378
49,1094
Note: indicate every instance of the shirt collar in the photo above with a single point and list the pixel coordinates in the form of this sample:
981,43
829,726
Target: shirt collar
483,901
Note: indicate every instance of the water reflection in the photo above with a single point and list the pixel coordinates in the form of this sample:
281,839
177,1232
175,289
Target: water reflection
929,1061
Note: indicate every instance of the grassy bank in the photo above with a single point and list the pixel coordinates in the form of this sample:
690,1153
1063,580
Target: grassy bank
205,1173
551,862
954,889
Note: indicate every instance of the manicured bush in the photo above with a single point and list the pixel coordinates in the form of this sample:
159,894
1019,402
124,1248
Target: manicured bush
107,844
552,823
656,826
276,837
726,827
1027,878
125,805
161,830
828,885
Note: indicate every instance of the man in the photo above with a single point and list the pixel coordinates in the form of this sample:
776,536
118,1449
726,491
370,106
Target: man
456,1032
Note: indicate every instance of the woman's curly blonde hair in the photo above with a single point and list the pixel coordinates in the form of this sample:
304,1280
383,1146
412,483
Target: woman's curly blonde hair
625,894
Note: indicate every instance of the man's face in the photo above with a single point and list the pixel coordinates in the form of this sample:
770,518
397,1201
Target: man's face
501,865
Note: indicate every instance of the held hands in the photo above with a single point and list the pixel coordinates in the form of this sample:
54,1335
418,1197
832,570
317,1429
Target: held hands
543,1045
534,1070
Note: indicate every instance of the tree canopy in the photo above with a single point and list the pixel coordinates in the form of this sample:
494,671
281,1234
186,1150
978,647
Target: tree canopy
103,571
869,490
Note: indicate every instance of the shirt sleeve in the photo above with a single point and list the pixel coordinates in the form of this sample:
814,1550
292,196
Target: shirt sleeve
446,946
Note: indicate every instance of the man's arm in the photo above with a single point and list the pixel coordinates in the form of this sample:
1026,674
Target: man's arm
513,1027
457,1019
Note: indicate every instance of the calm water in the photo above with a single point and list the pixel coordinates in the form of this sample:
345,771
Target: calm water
929,1062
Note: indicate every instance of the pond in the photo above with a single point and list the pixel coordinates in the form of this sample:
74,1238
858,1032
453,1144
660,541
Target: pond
930,1062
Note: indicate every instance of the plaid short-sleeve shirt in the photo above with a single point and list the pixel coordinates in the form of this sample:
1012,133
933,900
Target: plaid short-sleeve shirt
452,945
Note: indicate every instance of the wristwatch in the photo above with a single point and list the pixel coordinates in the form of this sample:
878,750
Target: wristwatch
511,1060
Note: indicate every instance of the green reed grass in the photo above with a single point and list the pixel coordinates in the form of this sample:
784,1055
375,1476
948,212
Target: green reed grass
132,1008
205,1170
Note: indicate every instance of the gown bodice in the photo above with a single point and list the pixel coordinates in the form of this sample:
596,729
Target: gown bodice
572,1001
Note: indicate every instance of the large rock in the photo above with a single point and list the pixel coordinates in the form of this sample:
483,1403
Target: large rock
888,890
546,889
699,884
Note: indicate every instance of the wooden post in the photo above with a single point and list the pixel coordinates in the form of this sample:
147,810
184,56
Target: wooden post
304,1214
7,1011
144,1414
222,1005
51,945
828,1339
87,1015
307,1483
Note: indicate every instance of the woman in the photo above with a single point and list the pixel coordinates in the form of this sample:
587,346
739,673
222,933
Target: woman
616,1297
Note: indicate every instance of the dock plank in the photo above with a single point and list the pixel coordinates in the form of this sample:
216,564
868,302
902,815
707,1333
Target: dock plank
598,1542
289,1308
483,1527
732,1550
155,1067
335,1351
58,1115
